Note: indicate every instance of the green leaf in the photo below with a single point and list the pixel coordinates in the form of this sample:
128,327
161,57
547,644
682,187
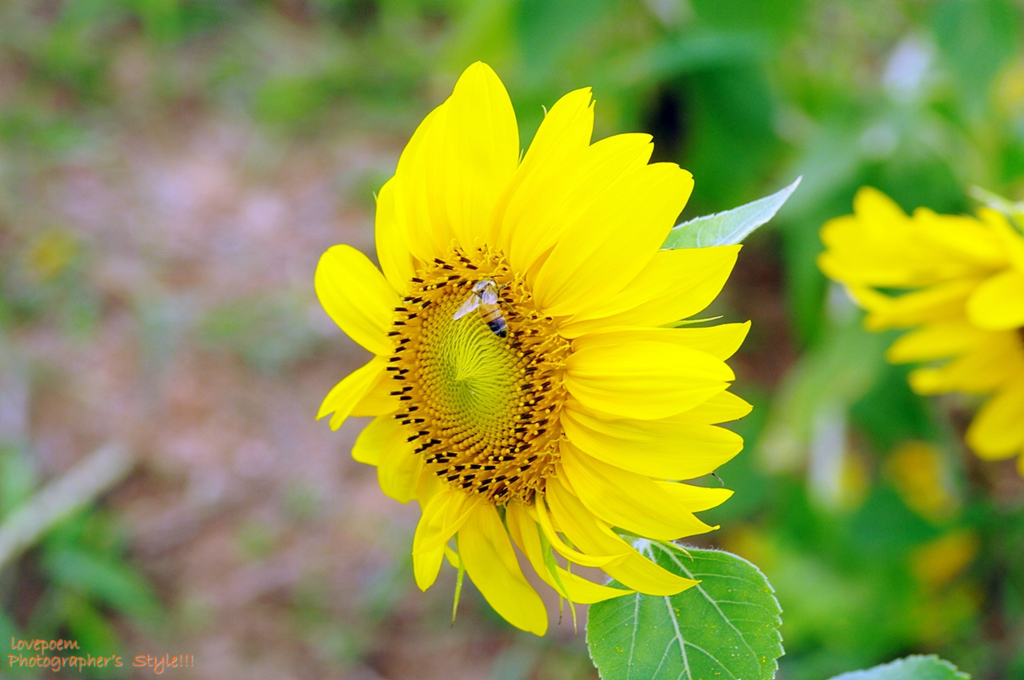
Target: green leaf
89,628
727,626
729,227
107,580
910,668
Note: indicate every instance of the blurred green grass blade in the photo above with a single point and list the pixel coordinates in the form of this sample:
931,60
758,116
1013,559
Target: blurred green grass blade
8,629
59,500
94,634
726,626
110,581
910,668
17,478
834,374
731,226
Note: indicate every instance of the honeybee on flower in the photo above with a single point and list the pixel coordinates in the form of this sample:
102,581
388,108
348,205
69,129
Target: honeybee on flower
484,296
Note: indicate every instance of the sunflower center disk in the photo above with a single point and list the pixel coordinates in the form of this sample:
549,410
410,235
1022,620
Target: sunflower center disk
483,408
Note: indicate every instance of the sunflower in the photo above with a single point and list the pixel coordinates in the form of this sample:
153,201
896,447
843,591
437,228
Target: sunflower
525,387
958,281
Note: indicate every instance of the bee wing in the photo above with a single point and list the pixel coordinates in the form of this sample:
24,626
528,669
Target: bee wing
471,303
489,295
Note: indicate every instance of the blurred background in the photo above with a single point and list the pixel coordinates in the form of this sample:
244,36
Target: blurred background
171,170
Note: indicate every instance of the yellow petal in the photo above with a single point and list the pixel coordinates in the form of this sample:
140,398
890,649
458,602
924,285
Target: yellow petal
428,487
355,294
695,498
399,467
871,202
998,303
452,557
996,357
448,511
378,400
481,153
613,241
595,537
881,246
563,549
344,396
997,431
562,194
442,517
961,245
419,198
674,285
396,259
644,380
492,565
427,565
720,341
1010,244
524,532
942,301
627,500
562,137
668,449
380,434
721,408
935,341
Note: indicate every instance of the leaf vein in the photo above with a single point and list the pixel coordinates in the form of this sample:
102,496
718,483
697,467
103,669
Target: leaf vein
679,636
713,658
710,600
632,642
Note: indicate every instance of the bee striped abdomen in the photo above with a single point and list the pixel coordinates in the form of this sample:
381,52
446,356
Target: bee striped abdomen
493,318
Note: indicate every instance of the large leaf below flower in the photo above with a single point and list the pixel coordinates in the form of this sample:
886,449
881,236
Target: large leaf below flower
729,227
910,668
727,626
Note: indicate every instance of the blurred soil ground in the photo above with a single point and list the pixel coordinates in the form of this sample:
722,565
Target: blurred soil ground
275,553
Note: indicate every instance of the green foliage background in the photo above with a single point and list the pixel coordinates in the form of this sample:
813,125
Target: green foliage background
881,534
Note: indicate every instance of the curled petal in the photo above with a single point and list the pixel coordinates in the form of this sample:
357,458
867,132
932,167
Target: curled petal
594,536
344,396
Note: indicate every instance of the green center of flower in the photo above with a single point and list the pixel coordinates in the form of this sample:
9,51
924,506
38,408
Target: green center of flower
479,377
468,373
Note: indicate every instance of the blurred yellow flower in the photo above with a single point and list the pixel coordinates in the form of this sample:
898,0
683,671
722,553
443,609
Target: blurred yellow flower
960,283
50,253
921,477
524,387
937,563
